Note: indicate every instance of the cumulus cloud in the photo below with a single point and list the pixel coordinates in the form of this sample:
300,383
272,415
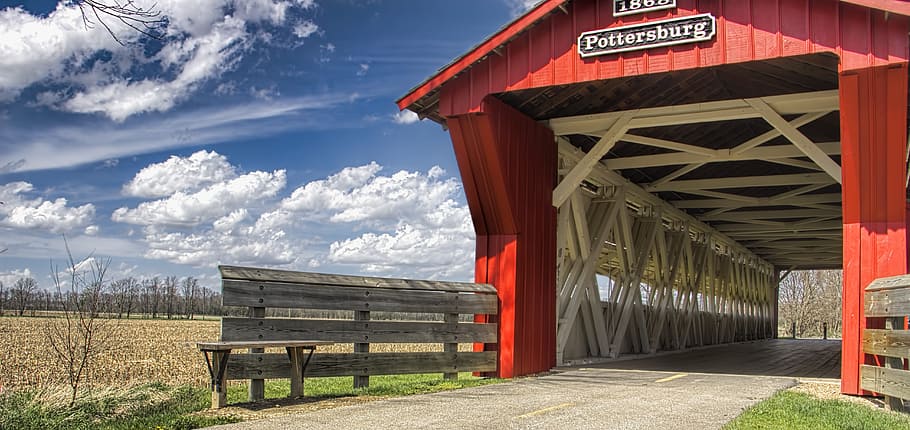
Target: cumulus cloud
414,223
57,216
9,278
185,174
405,117
201,40
398,224
207,204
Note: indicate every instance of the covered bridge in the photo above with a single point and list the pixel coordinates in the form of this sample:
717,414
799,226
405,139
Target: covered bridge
640,172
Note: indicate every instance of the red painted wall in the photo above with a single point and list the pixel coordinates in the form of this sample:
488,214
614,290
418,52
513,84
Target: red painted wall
508,166
873,140
747,30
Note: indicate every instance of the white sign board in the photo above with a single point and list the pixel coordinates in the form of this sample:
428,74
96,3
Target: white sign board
631,7
654,34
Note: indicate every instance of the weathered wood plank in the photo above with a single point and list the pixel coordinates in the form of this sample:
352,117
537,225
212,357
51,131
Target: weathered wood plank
887,303
274,366
316,296
237,344
888,343
271,275
890,382
343,331
891,283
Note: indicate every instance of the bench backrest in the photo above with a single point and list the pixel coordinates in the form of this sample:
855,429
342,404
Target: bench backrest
258,289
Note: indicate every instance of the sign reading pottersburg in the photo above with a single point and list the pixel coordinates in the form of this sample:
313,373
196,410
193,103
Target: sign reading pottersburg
676,31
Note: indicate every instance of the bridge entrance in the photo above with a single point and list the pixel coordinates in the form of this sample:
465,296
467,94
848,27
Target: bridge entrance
633,194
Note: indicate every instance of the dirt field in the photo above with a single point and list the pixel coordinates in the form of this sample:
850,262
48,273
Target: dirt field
141,351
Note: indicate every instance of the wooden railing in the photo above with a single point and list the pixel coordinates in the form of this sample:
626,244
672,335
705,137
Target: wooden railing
888,298
259,289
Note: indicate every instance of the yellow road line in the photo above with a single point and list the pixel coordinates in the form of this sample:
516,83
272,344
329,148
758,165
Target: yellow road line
671,378
546,410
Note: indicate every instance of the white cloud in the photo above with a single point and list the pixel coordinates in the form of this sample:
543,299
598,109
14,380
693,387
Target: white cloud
9,278
405,117
305,29
519,7
18,211
363,69
185,174
201,40
207,204
92,230
23,150
357,219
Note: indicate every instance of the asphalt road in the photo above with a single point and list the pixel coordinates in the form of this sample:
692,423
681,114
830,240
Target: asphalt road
578,398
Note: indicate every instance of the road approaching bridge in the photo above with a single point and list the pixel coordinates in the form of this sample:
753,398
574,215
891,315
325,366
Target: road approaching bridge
604,396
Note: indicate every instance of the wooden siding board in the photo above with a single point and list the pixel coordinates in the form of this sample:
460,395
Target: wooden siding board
874,229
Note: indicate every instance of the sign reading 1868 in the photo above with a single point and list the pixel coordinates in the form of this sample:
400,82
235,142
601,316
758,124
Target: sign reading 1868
629,7
676,31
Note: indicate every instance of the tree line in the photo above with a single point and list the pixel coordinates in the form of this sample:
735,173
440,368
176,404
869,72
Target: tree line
809,300
158,297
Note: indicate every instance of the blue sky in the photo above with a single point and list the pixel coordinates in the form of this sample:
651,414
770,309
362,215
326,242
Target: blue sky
255,132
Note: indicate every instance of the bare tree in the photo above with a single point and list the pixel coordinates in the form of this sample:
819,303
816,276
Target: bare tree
22,293
811,299
2,298
190,285
147,21
80,334
170,295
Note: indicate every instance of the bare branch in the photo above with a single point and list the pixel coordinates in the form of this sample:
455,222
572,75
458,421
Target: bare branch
147,21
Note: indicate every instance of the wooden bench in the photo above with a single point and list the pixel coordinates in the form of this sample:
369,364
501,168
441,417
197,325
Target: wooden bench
363,299
217,355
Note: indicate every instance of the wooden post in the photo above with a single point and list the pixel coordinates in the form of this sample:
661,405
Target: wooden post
825,331
793,330
295,355
451,347
894,403
257,386
362,381
219,390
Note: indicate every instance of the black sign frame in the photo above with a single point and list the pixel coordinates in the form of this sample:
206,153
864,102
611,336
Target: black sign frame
634,7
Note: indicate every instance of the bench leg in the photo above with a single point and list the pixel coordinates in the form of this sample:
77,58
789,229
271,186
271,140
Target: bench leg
218,372
299,361
296,357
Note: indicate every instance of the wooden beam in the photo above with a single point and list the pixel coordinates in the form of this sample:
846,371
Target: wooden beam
797,138
768,153
771,134
584,166
744,182
774,201
789,104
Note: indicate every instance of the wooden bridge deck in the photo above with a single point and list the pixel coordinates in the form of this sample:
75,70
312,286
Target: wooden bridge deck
802,358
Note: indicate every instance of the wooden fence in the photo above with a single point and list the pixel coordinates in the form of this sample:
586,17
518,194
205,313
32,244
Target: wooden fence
258,289
888,298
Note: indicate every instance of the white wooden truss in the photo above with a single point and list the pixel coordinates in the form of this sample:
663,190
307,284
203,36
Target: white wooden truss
637,274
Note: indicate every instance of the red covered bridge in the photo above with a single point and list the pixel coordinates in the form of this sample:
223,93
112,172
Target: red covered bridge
640,173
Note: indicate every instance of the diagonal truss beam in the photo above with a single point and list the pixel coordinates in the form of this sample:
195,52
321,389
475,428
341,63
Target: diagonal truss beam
798,139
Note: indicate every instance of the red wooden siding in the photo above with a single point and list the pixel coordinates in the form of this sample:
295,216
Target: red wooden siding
747,30
500,150
873,139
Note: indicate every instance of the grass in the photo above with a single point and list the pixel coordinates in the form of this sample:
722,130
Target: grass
798,411
161,407
380,386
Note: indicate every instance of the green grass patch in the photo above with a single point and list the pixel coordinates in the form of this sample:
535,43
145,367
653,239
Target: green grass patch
798,411
161,407
380,386
151,406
